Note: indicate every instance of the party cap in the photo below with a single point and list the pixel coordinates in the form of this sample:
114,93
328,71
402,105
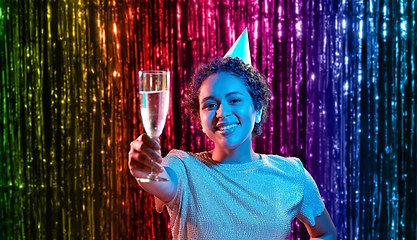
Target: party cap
240,48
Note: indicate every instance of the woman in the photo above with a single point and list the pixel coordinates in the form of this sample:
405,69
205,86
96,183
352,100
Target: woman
231,192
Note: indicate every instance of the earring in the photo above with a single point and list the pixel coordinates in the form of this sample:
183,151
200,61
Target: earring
258,116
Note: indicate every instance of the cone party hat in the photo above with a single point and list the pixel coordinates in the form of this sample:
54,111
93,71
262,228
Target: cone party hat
241,48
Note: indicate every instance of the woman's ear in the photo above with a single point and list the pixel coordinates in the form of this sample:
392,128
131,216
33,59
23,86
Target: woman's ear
258,116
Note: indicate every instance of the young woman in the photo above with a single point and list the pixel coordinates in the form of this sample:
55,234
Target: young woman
231,192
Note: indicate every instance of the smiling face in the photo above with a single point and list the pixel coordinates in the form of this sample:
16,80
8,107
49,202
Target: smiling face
227,113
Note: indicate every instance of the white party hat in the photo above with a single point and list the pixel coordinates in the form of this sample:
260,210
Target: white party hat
240,48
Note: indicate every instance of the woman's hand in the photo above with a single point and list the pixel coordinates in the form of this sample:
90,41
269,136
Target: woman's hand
143,155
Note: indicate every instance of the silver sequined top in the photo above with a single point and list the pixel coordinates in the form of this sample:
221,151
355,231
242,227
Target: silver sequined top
256,200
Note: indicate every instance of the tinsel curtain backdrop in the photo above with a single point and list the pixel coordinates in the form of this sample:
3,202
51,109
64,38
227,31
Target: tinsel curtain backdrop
344,90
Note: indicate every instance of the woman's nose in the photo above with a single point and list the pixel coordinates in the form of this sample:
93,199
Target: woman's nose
223,111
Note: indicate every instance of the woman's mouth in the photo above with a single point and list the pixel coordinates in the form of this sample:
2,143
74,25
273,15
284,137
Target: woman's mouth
227,128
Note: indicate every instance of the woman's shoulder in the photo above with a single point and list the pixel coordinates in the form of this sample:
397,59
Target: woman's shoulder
179,159
184,156
177,153
285,163
282,159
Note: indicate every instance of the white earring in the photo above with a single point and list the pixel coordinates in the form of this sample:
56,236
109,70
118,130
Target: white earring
258,116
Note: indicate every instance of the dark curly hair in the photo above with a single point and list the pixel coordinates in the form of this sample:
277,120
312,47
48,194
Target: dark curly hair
255,82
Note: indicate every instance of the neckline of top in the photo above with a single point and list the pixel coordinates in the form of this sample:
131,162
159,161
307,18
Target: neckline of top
206,159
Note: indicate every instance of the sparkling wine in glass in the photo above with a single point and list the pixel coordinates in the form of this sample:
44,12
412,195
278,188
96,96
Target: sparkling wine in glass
154,103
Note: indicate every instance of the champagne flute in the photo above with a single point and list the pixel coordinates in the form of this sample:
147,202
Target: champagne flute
154,102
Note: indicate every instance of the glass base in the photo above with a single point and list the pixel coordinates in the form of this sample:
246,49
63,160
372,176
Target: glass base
152,178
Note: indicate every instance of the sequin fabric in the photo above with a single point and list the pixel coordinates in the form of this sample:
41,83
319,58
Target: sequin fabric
256,200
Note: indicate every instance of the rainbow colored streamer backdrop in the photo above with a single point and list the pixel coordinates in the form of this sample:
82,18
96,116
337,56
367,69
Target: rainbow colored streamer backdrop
343,75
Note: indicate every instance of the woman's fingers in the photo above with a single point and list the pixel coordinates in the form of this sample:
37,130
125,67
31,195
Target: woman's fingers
144,156
154,144
144,161
146,145
138,169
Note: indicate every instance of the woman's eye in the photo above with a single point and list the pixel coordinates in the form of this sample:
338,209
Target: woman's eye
236,100
209,106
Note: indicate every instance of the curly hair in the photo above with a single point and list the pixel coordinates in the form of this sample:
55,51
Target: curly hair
255,82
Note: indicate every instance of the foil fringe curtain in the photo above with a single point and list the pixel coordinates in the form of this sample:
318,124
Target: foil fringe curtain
344,83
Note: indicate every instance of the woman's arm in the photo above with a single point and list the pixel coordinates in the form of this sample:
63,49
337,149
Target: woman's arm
164,190
324,227
142,151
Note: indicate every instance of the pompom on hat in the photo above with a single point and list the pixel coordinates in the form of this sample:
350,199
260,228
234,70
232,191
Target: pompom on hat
241,48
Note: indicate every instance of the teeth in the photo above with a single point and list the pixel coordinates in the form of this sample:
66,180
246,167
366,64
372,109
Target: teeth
227,127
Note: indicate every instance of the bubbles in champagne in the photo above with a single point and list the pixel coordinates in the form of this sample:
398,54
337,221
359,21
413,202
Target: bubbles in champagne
154,109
